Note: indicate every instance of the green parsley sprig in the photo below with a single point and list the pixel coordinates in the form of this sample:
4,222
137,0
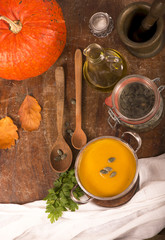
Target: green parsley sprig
58,199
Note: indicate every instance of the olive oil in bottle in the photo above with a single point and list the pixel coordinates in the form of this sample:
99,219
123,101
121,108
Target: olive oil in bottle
103,68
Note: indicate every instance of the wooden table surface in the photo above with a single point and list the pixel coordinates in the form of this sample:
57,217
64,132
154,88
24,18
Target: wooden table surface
25,172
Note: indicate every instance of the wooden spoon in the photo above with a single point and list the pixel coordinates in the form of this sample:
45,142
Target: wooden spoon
61,154
79,138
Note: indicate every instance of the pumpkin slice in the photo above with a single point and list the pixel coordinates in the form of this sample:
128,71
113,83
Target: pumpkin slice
29,113
8,133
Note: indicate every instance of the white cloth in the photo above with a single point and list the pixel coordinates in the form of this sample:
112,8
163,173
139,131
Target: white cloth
142,217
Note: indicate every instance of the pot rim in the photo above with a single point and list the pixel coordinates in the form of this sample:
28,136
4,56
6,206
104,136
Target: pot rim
118,195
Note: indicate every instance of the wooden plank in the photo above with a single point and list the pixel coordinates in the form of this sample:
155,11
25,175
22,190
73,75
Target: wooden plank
25,172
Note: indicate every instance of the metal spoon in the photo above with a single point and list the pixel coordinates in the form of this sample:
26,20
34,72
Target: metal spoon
61,154
79,138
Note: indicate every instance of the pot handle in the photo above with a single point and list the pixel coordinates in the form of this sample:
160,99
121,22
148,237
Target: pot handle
137,138
79,201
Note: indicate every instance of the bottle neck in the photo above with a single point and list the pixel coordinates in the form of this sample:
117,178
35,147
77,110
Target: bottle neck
96,58
94,53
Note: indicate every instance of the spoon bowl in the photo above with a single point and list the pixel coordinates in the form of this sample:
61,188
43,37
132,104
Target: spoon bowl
79,138
60,163
61,154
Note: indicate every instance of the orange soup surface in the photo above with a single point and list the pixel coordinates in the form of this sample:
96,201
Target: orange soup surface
106,167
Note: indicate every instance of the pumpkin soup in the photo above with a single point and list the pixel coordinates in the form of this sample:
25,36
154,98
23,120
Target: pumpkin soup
106,167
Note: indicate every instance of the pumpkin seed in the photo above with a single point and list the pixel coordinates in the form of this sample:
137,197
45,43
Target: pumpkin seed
136,100
67,124
69,131
113,174
103,171
111,159
60,152
57,158
71,134
108,169
73,101
63,156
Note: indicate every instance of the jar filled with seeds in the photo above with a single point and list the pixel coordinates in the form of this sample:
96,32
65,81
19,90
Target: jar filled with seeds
136,103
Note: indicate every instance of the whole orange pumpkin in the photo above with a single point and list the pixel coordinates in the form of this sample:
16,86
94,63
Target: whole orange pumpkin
32,37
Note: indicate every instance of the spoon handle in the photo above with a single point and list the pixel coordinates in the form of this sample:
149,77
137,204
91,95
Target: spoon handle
60,89
78,84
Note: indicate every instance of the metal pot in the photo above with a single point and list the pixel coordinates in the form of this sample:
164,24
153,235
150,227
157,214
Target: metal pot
112,200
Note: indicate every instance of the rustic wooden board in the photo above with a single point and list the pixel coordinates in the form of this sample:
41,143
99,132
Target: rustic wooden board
25,172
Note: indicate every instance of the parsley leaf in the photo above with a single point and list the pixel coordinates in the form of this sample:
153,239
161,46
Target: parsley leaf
58,199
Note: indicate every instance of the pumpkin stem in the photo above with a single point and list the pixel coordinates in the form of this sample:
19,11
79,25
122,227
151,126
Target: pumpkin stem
14,26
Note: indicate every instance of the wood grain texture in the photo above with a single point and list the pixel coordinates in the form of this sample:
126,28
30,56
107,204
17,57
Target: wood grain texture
25,172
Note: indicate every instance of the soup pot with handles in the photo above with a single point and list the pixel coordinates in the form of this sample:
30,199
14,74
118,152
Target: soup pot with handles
106,169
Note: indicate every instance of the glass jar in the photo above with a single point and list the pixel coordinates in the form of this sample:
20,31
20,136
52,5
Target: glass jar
135,103
101,24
